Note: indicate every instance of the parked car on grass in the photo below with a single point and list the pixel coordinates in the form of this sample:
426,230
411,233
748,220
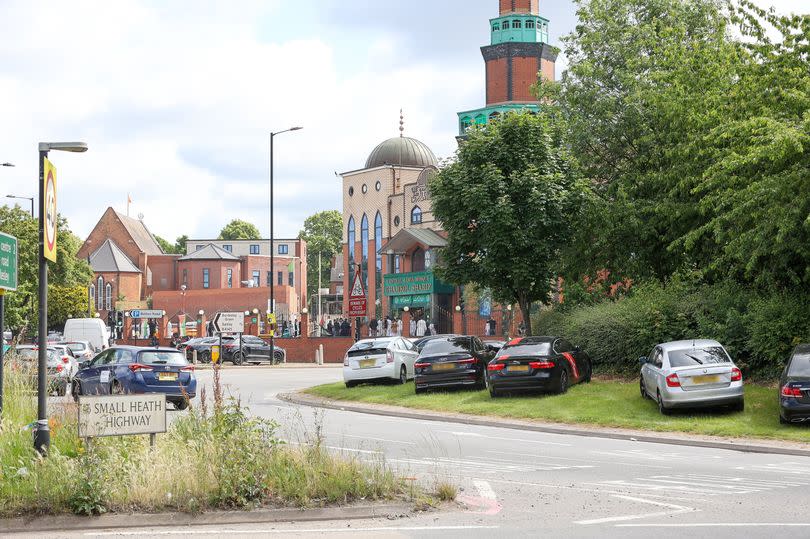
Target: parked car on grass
794,387
691,374
57,375
452,361
135,369
379,359
420,342
537,363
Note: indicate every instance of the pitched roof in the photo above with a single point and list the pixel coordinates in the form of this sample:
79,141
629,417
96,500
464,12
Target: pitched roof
406,237
140,234
109,258
209,252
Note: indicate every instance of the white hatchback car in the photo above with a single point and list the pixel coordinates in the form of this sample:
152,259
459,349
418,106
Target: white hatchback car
379,359
691,374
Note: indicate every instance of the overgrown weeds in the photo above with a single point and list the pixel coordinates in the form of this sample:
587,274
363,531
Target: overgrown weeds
222,459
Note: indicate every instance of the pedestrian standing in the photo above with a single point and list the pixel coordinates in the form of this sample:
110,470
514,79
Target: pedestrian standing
431,329
329,327
372,327
421,327
412,327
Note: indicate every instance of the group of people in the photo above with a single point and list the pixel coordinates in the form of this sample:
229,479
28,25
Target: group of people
384,327
340,328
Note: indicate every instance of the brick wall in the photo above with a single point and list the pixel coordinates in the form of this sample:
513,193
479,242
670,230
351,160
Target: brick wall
547,69
109,226
302,349
497,91
519,6
524,75
163,269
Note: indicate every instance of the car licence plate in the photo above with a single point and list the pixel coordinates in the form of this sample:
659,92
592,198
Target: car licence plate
366,363
443,367
708,379
518,368
167,376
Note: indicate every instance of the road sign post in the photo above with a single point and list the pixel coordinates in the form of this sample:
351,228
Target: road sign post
8,281
357,297
229,322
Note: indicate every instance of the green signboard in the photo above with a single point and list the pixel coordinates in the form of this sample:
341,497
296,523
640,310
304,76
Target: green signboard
415,283
8,262
415,300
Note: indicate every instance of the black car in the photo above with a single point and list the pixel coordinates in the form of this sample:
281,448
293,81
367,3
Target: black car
537,363
794,387
420,342
203,347
254,350
452,361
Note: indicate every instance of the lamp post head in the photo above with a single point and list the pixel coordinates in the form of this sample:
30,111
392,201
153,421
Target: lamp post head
255,311
298,128
458,308
247,313
6,164
304,310
201,312
406,308
63,146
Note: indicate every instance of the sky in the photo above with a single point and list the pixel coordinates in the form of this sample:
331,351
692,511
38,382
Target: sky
176,100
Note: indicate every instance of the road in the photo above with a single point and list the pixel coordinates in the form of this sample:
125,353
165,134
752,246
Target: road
517,483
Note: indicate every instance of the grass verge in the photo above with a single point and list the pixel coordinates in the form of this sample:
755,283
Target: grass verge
207,460
604,403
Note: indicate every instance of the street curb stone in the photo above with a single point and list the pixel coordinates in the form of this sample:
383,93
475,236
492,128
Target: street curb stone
744,445
150,520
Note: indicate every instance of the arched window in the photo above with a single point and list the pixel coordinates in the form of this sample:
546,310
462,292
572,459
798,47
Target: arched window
92,295
494,116
108,296
481,119
350,239
416,215
495,26
529,24
465,123
100,294
418,260
364,248
378,239
516,23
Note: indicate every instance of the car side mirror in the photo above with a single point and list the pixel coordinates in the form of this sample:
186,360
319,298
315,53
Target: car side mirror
642,360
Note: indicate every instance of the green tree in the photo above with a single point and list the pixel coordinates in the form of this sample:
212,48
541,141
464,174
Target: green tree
238,229
67,271
66,302
322,232
180,244
167,247
507,203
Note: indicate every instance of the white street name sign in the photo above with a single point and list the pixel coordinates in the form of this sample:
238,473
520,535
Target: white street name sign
117,415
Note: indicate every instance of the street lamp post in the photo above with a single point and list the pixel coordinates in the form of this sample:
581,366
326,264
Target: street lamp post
42,434
272,249
30,199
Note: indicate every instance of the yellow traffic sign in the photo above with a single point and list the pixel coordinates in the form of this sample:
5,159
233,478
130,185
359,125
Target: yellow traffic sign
49,210
215,354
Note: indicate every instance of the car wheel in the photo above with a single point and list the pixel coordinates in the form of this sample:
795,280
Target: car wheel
562,385
237,358
351,383
738,406
76,389
661,407
782,420
643,391
420,390
278,357
205,357
403,375
181,404
494,393
116,389
588,374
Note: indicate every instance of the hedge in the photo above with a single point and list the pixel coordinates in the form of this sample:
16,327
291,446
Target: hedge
758,330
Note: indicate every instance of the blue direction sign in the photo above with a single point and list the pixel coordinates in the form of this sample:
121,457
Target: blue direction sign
8,262
146,313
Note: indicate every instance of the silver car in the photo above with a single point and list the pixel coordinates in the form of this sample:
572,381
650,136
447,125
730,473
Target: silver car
691,374
379,359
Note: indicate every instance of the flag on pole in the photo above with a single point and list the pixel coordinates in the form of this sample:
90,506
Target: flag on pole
129,201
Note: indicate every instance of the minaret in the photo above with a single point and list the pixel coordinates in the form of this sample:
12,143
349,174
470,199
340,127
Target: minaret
517,52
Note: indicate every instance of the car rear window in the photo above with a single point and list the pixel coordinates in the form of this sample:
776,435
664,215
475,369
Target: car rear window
369,348
32,354
162,357
689,357
529,349
446,346
77,346
800,364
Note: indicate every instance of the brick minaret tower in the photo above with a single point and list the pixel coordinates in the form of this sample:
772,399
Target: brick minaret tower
517,52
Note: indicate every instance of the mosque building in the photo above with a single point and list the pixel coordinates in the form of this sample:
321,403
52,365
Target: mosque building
389,233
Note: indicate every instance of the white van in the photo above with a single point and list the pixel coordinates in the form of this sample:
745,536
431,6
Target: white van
91,330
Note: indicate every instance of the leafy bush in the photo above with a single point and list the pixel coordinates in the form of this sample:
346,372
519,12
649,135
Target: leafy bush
758,330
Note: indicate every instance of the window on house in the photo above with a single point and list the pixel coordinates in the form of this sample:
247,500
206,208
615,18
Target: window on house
228,247
206,278
108,296
291,278
283,249
516,24
199,247
496,27
418,260
92,294
529,24
269,278
280,278
257,280
230,278
100,299
254,249
416,215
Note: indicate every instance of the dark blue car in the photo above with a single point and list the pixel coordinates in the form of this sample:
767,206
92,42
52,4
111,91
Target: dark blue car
134,369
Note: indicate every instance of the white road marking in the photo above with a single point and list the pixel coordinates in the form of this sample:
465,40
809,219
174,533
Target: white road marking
648,455
676,510
486,503
598,490
501,438
790,468
484,490
185,531
377,439
589,460
364,451
719,525
708,485
485,467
